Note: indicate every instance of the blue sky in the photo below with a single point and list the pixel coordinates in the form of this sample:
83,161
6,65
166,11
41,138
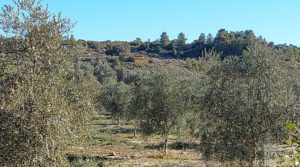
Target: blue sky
276,20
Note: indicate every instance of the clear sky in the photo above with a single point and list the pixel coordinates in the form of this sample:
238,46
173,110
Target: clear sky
276,20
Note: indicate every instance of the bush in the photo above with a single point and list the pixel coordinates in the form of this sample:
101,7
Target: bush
115,49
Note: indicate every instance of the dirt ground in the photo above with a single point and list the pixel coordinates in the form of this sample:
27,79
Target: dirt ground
111,145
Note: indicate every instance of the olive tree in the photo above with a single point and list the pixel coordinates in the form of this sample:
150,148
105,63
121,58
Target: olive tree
136,104
41,97
115,97
162,98
103,72
246,100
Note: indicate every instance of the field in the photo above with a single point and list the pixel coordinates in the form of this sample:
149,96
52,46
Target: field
113,145
110,144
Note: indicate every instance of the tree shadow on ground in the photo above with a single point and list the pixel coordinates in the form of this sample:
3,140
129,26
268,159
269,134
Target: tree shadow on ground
177,145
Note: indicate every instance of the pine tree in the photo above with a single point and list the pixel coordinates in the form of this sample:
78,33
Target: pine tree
181,40
164,39
202,39
210,39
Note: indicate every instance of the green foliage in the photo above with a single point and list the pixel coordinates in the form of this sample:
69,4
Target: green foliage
116,99
83,88
293,128
174,50
211,55
206,61
202,39
116,62
162,97
103,72
293,159
210,39
164,39
181,40
248,98
192,64
137,42
44,97
116,48
122,74
19,141
292,53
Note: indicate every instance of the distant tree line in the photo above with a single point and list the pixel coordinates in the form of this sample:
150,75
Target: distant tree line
227,43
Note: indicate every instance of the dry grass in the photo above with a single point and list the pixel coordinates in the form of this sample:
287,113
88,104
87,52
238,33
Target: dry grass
112,145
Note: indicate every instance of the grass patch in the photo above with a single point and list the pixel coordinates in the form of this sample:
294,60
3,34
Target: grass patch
105,138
